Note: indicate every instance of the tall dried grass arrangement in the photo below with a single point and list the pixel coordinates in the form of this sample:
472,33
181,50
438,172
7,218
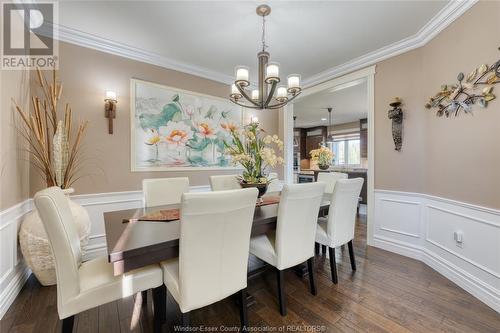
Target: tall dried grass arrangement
53,150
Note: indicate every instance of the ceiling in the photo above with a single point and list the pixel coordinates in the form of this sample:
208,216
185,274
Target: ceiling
349,103
215,36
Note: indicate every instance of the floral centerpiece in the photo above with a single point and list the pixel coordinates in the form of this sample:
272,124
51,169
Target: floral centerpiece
253,149
323,157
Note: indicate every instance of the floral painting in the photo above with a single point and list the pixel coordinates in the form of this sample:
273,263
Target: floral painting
173,128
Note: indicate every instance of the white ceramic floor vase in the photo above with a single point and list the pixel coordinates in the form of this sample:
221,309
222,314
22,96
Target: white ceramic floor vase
35,245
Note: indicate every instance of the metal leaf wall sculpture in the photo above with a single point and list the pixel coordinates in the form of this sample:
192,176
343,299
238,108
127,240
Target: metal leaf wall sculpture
475,88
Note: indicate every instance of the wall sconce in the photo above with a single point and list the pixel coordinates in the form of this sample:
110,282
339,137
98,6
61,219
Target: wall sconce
110,109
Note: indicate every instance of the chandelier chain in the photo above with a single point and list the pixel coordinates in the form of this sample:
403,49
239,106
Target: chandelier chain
264,45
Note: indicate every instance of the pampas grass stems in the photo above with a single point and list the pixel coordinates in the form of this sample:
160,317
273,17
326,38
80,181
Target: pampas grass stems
40,126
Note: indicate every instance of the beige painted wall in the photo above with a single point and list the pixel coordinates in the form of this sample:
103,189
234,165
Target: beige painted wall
457,158
86,74
14,165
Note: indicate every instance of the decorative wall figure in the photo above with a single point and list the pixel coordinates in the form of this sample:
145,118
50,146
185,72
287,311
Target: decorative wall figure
396,115
476,89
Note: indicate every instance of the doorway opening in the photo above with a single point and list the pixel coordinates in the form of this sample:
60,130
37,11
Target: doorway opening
338,114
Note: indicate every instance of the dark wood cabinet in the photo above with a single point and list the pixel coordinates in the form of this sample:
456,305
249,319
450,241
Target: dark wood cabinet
310,138
312,142
363,138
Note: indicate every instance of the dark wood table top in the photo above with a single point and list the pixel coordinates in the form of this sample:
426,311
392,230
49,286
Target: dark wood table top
136,244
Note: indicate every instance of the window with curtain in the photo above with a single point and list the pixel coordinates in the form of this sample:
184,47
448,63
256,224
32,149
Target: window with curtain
346,149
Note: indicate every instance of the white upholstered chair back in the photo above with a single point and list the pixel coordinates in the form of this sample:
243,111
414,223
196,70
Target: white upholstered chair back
296,227
275,184
342,213
164,191
224,183
57,219
330,178
214,245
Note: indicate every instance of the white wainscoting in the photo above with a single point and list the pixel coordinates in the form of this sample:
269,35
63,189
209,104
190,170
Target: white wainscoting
422,227
13,271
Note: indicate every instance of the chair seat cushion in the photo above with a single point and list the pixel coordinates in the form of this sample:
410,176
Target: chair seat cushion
98,285
171,277
263,247
321,235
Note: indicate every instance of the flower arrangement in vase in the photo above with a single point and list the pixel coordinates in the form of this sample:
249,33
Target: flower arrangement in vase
54,151
323,156
255,151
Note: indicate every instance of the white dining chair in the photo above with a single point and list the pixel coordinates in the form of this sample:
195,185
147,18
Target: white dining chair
213,250
224,182
293,241
338,228
330,178
85,285
275,184
164,191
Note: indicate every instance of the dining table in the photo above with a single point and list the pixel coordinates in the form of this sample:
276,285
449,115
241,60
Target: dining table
133,243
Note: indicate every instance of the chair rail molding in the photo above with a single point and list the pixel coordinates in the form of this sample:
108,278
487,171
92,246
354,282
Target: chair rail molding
13,271
422,227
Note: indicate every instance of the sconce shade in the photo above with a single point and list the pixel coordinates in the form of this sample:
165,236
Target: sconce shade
110,96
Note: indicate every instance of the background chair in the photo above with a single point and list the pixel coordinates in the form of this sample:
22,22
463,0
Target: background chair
293,241
213,250
275,184
330,178
224,183
164,191
338,228
82,286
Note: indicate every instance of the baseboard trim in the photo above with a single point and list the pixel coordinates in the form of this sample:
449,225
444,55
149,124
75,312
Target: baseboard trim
14,287
478,277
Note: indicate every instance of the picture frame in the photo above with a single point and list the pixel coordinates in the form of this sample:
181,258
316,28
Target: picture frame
174,129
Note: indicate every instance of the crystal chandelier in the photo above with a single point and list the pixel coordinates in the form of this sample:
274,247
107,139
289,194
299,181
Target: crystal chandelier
264,97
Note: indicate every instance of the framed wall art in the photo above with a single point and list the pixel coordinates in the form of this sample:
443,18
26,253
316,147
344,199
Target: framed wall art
174,129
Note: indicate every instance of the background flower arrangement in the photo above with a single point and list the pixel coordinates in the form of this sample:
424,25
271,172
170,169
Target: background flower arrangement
253,149
322,156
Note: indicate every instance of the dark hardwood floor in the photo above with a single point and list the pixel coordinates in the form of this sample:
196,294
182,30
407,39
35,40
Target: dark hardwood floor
387,293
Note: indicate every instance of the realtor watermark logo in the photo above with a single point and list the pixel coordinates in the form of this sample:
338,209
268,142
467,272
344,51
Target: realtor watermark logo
28,35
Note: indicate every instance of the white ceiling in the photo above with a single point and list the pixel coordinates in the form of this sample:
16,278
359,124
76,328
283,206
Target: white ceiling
349,104
215,36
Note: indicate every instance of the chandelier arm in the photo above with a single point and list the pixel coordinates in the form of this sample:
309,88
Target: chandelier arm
279,105
244,94
271,93
245,106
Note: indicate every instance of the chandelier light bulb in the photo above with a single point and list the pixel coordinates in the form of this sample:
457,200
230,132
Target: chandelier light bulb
235,93
272,72
242,75
281,92
255,94
293,81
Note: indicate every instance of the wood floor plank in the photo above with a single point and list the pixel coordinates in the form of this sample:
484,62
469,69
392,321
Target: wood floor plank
109,321
387,293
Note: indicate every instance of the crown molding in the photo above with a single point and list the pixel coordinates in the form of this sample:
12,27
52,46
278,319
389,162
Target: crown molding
449,13
453,10
80,38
